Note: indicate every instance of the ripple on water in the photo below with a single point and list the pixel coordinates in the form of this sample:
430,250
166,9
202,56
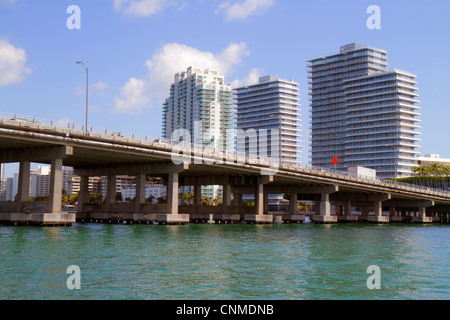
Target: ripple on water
225,261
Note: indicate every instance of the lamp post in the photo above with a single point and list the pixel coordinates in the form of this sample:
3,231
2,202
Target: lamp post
87,90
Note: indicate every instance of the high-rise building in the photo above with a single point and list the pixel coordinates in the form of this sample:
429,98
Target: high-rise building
10,193
362,113
3,182
270,106
200,102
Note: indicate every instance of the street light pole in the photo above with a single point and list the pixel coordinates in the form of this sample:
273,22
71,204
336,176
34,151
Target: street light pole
87,93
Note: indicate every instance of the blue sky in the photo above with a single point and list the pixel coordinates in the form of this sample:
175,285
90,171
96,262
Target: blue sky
133,47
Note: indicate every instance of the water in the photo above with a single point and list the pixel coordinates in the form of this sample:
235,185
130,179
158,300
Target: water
307,261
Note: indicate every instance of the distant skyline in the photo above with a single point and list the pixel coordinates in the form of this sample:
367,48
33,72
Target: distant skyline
134,48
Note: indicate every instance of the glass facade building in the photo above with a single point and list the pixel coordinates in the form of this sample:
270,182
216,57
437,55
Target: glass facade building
201,103
362,113
270,104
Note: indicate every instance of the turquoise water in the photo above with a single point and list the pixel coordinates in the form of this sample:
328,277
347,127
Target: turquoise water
306,261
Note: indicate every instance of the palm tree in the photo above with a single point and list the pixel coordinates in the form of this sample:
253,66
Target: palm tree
437,169
206,200
186,197
150,199
421,171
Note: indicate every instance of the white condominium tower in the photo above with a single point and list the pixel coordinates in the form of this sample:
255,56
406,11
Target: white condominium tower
201,103
362,113
270,104
199,100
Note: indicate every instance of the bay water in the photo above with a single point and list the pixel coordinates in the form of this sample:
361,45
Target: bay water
226,261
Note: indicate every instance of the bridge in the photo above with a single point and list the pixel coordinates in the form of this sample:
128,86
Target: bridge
97,152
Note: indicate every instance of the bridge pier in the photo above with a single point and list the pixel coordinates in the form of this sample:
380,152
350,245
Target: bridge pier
110,199
259,216
39,215
378,213
83,197
324,214
197,201
293,216
23,187
323,209
237,199
172,216
422,217
140,193
345,212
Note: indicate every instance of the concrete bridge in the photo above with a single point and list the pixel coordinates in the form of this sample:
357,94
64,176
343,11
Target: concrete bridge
105,154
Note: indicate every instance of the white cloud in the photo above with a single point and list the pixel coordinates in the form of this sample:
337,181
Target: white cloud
252,78
12,64
99,86
172,58
132,97
142,8
243,9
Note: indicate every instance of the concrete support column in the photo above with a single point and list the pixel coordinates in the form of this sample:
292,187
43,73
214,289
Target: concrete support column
266,203
422,216
111,192
55,191
226,191
339,210
293,203
364,211
259,216
392,211
259,199
83,194
172,193
197,195
422,212
324,205
348,208
23,188
378,208
378,213
140,192
237,199
323,215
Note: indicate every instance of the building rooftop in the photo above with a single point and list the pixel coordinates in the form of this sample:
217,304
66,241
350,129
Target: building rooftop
433,158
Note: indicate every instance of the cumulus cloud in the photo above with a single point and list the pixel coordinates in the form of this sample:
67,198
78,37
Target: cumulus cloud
241,10
172,58
132,97
142,8
12,64
252,78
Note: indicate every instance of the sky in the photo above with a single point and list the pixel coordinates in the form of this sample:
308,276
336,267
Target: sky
133,48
